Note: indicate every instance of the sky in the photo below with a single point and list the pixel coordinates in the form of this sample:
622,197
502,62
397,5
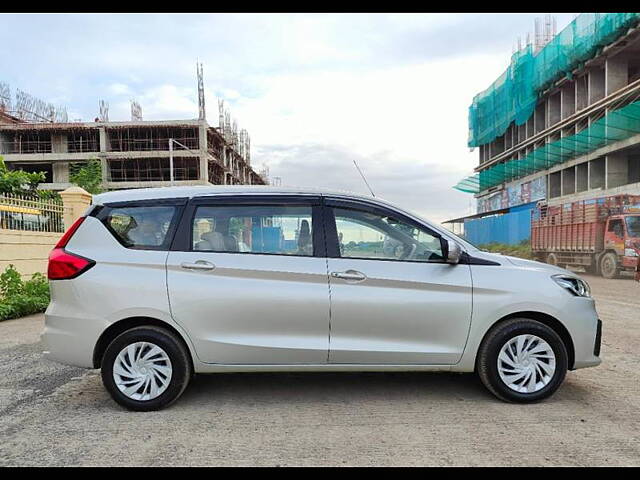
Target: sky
315,91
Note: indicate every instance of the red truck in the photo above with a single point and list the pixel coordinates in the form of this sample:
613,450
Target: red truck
602,234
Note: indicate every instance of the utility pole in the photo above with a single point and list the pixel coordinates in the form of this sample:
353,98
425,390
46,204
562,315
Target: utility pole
171,162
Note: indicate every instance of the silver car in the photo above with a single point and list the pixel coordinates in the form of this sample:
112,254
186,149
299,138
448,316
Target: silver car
155,285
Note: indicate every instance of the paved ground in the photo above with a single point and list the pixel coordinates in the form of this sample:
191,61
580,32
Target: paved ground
56,415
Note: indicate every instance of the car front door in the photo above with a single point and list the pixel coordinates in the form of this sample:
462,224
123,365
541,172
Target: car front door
247,279
394,299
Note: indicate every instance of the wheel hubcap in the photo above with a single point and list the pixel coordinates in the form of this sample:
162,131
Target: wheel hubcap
526,363
142,371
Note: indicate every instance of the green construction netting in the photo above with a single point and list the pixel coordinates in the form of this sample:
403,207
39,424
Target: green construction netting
614,126
512,97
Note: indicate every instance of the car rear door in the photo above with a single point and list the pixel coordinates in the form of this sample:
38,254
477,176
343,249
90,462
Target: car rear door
247,278
394,300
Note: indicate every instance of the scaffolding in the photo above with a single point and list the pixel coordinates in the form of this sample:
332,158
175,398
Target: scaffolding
34,141
513,96
216,173
5,97
619,124
136,111
152,169
80,141
144,139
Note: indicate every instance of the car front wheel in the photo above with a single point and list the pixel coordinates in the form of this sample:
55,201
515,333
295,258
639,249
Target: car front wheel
522,360
146,368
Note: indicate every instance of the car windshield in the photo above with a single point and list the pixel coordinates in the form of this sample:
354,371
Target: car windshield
633,226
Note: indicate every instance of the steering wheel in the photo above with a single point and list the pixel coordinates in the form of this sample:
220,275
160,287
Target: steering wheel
407,253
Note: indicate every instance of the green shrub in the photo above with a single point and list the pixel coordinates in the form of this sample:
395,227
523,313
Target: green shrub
87,175
522,250
18,297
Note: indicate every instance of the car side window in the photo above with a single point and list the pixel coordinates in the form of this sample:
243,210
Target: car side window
270,229
141,227
369,235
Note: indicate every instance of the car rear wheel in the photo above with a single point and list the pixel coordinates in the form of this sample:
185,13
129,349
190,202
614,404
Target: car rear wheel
146,368
522,360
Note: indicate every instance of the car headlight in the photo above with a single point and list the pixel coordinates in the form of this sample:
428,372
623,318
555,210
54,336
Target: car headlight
575,286
630,252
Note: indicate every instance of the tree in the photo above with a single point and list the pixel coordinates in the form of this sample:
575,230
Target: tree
19,181
88,176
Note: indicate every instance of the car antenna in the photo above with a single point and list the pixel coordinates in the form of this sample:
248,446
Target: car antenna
363,178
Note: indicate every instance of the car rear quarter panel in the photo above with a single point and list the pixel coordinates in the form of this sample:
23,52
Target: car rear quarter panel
123,283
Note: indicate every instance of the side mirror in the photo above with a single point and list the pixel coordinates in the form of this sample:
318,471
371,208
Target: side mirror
453,252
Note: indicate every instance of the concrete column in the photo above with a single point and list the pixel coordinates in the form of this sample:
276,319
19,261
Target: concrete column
204,168
75,201
616,74
60,172
102,135
104,165
567,100
617,170
582,92
202,136
202,143
596,84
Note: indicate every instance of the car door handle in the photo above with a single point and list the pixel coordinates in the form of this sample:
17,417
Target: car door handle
352,275
198,265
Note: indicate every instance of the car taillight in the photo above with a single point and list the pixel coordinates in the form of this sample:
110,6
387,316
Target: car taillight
65,265
69,233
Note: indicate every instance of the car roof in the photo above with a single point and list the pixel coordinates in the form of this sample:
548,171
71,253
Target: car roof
209,190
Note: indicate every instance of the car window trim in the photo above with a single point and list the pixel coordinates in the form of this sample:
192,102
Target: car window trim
183,240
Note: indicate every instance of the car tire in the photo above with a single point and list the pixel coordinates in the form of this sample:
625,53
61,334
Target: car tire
162,370
503,339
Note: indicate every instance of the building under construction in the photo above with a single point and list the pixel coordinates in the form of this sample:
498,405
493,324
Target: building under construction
561,124
133,154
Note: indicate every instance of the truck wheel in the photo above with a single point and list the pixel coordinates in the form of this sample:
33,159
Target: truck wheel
609,267
552,259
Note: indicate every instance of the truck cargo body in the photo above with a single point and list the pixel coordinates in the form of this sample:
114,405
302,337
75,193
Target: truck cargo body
599,234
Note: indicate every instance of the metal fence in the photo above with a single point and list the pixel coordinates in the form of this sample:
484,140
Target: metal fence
18,212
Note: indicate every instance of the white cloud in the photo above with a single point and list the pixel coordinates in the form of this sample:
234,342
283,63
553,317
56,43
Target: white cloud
118,89
314,91
167,101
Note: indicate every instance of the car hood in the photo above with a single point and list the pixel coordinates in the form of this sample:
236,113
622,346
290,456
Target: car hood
521,262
